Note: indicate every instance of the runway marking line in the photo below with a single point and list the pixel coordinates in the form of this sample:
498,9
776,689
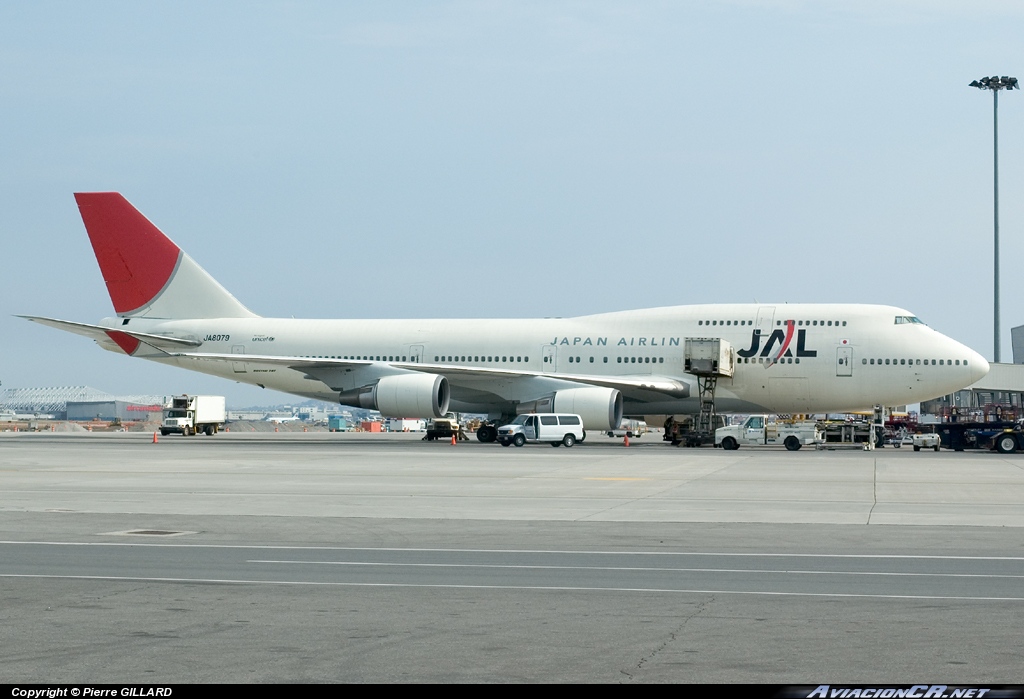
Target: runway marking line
516,587
616,479
759,571
270,547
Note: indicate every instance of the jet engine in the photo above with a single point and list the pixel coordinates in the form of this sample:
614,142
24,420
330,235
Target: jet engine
403,395
600,408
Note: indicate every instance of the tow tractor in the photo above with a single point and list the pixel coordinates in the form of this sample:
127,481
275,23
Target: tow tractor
925,440
1003,436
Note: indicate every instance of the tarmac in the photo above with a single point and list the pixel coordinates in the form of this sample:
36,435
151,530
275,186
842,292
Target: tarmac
327,557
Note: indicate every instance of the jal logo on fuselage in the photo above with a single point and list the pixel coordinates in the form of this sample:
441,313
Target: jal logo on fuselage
784,339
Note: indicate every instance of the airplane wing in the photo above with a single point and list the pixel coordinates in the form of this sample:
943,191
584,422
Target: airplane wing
638,387
627,384
101,333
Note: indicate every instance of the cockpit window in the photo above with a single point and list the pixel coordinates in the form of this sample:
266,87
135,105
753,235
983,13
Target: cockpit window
900,320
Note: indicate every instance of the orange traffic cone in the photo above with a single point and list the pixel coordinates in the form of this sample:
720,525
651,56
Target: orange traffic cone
155,440
453,439
625,440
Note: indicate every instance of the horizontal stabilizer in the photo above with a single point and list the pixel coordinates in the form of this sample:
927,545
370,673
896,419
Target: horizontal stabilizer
126,339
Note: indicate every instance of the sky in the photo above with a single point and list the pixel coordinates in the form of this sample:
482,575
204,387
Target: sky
507,159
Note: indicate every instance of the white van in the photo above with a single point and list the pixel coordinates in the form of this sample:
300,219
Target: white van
558,429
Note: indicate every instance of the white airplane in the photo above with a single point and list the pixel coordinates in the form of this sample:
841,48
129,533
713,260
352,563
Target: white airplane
790,358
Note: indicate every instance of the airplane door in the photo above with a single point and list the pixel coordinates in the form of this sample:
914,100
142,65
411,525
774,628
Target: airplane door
844,361
549,363
765,316
417,354
239,367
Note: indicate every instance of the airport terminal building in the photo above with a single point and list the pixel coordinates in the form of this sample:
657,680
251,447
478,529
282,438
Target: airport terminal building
79,403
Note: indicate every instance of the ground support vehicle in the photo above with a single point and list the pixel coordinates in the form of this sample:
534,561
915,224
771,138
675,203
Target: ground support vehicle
680,431
859,432
556,429
762,430
189,415
758,430
1002,436
708,359
444,428
634,429
928,440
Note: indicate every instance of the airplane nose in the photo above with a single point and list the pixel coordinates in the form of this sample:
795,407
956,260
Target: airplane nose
979,366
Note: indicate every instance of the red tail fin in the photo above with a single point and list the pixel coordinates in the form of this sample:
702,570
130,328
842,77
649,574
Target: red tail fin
146,273
136,259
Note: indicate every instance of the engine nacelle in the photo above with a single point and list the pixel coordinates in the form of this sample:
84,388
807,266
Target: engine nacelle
403,395
600,408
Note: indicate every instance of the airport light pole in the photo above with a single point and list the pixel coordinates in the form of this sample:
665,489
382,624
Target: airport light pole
995,84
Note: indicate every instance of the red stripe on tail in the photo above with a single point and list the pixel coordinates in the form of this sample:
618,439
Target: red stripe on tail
136,259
